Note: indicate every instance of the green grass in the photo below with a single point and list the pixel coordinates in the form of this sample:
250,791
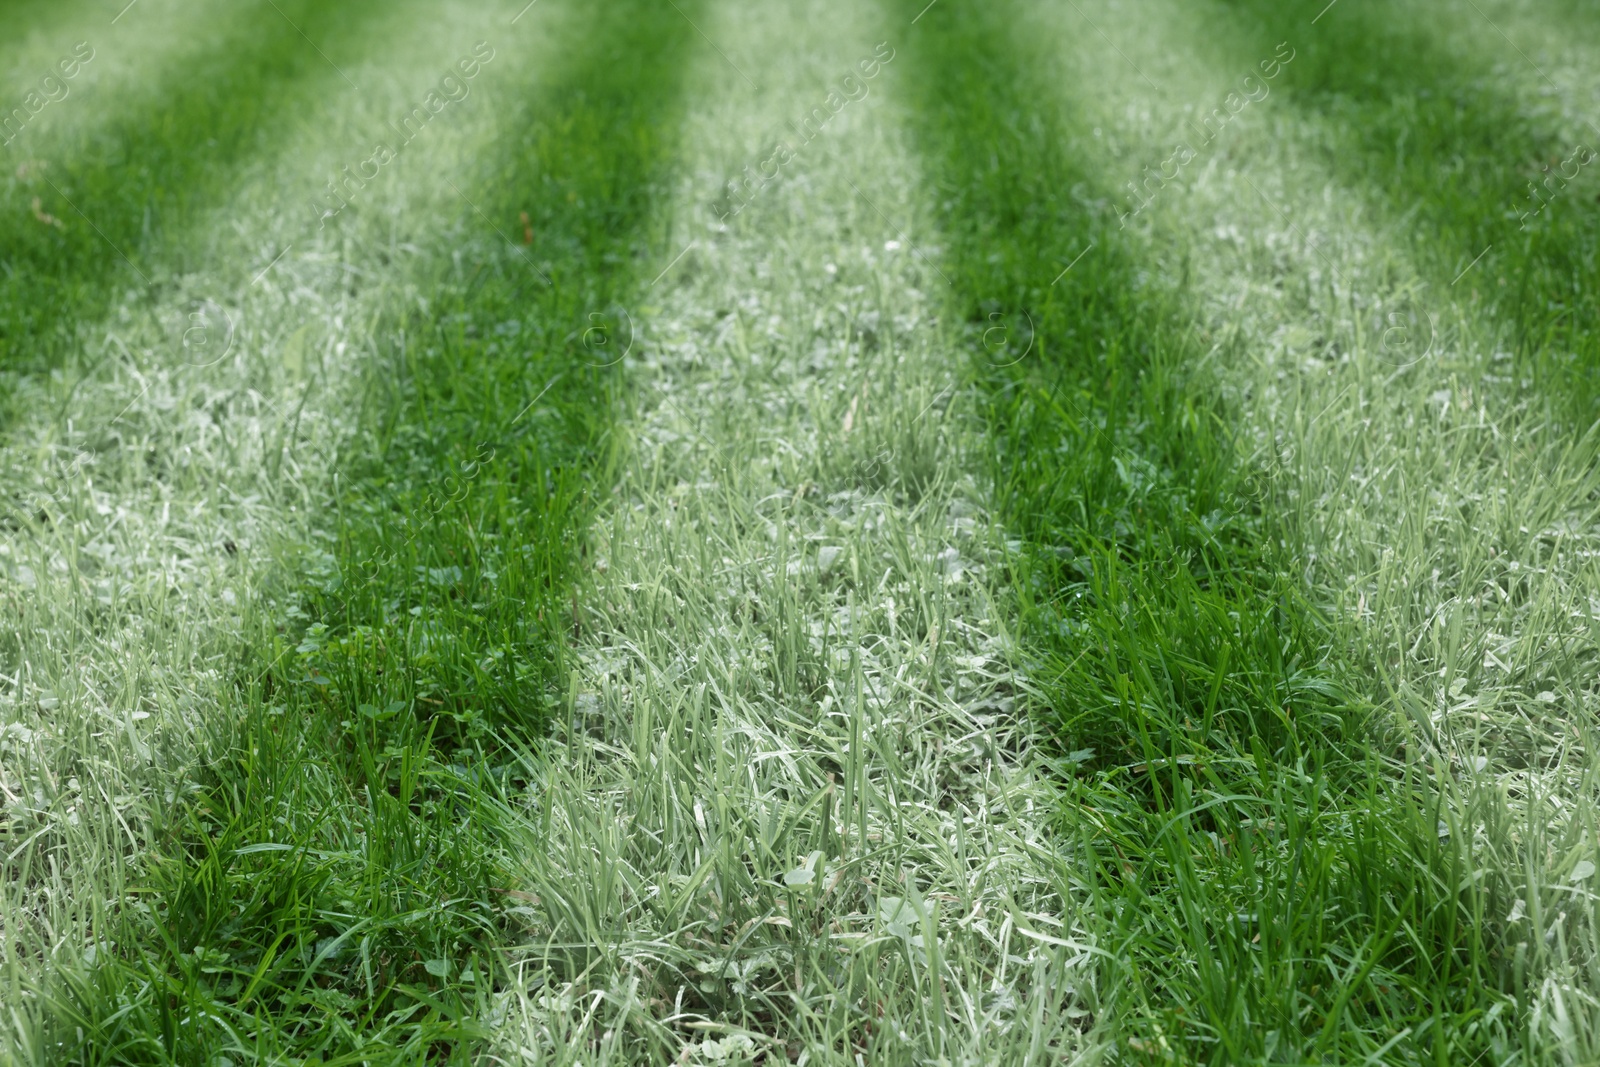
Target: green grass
131,173
787,815
425,684
331,885
1442,129
1265,857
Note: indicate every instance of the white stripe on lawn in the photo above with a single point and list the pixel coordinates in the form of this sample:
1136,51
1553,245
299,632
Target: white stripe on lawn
793,805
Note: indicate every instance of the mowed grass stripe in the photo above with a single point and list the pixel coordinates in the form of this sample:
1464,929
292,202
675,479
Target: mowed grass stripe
1451,537
1433,438
789,818
1457,161
143,501
331,887
1269,886
146,502
110,187
1448,492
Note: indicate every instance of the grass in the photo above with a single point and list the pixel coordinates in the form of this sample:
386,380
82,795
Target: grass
1263,846
788,814
1454,538
147,488
912,620
1456,151
330,887
110,186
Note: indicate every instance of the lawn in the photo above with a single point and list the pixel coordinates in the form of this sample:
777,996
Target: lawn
667,532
